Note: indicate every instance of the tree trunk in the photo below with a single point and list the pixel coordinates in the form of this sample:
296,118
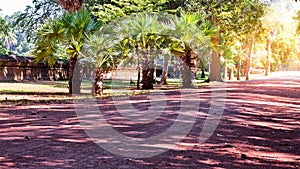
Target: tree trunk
268,65
186,77
215,73
225,70
231,74
98,83
139,78
146,79
248,66
164,75
139,69
186,70
202,73
244,69
238,76
152,71
74,76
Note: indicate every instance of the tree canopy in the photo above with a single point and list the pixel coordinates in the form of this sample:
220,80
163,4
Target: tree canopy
230,34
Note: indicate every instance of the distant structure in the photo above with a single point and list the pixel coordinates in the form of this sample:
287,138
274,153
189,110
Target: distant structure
21,68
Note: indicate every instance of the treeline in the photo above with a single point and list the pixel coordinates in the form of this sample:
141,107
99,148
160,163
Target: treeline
227,38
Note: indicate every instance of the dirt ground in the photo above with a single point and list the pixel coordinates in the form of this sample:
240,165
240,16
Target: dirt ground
260,128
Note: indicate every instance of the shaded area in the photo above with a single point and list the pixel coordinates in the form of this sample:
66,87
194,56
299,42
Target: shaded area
259,129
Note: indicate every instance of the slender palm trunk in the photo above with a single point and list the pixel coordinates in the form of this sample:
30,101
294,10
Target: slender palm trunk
74,76
231,74
225,70
238,75
163,79
186,70
268,64
139,68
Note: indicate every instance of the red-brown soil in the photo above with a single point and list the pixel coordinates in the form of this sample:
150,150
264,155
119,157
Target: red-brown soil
260,128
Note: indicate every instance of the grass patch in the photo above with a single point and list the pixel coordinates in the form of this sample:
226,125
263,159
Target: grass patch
25,93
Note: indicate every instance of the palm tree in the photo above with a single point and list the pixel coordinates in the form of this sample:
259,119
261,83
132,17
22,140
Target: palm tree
187,37
140,31
99,50
65,35
128,42
145,28
180,36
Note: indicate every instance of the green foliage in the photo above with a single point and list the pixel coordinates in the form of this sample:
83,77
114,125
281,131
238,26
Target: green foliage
3,49
298,19
281,31
13,39
284,46
236,23
7,36
184,30
35,16
49,42
99,49
65,35
4,29
234,19
115,9
138,34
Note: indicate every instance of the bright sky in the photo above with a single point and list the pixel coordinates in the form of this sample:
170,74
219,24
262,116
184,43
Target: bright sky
10,6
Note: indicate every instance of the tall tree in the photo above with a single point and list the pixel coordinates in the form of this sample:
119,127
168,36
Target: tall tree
187,39
180,35
33,17
145,30
225,15
99,50
67,33
274,24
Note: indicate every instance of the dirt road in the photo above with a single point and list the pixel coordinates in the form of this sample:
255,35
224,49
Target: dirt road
260,128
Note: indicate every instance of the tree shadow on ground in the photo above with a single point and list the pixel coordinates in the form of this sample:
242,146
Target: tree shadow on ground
259,129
